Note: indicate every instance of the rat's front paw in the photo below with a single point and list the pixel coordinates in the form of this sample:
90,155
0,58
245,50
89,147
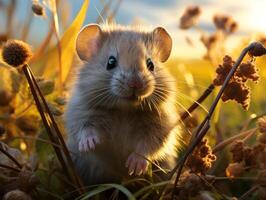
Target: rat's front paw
136,164
89,138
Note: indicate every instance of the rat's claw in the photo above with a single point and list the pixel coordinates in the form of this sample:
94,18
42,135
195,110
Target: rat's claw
88,140
136,164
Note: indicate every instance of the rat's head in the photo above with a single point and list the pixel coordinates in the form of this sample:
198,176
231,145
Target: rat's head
124,66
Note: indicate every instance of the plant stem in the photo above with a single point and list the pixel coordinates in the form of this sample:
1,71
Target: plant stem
59,135
9,167
246,194
45,121
205,125
10,157
204,95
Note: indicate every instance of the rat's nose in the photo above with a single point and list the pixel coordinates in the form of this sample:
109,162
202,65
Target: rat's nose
135,83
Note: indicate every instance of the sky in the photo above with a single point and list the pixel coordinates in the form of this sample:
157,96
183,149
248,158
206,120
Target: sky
250,15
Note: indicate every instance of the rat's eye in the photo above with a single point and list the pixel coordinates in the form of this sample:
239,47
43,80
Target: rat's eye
111,63
149,64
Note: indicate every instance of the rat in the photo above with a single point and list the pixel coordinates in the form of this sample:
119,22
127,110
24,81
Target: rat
122,115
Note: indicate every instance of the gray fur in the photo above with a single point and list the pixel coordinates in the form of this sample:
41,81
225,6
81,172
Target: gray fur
148,126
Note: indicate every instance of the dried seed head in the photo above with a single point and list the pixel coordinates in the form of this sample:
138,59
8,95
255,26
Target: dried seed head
2,130
190,17
247,71
237,88
3,39
16,195
233,27
210,41
261,138
223,70
237,91
237,150
37,9
225,23
261,178
261,158
262,124
16,53
202,158
257,50
234,170
28,123
27,180
249,157
6,97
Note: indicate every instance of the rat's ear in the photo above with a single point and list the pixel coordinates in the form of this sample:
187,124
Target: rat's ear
89,41
164,43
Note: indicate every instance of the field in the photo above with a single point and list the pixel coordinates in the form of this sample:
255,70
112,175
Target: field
222,152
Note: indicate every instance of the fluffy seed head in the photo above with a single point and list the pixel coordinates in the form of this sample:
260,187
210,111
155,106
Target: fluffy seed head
16,53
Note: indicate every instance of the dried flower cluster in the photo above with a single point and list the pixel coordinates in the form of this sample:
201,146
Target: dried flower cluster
16,53
225,23
237,88
190,17
201,159
191,185
246,158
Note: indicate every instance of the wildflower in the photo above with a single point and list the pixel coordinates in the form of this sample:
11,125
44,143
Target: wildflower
6,97
190,17
16,53
247,71
202,158
37,9
234,170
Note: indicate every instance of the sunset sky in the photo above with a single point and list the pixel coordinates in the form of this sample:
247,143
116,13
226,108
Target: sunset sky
250,14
